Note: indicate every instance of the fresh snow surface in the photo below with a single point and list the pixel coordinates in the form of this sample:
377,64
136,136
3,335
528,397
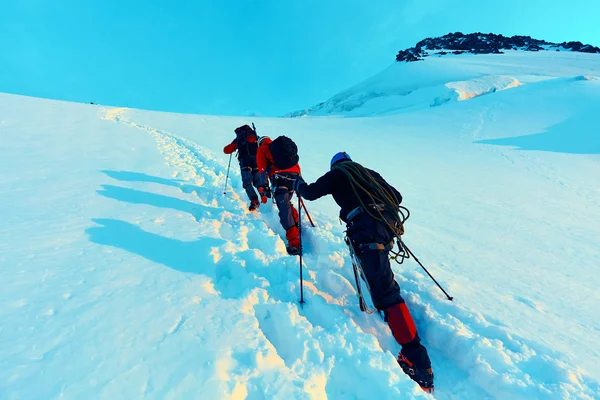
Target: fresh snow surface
439,80
125,272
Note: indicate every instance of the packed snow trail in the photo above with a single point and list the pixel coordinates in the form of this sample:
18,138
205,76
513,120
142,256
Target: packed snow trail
250,264
472,356
125,276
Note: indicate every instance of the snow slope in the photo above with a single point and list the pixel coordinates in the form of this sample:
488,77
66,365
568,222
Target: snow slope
126,273
438,80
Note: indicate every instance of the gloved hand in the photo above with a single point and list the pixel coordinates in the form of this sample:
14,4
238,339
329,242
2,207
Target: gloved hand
299,181
292,183
265,191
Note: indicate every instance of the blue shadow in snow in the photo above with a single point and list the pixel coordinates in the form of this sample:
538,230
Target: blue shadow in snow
182,256
157,200
128,176
232,279
576,135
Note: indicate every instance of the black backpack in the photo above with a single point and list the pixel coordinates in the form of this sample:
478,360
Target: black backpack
245,148
284,152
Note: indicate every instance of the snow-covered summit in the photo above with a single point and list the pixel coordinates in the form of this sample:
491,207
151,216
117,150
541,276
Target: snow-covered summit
485,43
440,80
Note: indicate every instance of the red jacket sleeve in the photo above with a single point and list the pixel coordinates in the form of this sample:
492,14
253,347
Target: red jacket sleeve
252,139
261,160
230,148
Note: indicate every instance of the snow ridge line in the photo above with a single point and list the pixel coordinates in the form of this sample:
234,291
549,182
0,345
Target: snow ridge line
490,358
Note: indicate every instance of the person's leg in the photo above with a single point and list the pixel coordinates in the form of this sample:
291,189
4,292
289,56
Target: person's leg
384,289
288,216
405,332
385,293
257,180
261,182
247,179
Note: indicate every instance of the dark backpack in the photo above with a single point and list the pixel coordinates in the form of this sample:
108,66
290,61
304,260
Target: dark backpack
284,152
245,148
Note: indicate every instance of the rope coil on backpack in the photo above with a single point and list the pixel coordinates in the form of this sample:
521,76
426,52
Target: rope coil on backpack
379,192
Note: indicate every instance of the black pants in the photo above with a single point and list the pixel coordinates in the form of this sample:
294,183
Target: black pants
288,215
250,177
385,291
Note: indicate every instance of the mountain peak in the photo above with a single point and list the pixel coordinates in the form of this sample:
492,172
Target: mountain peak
485,43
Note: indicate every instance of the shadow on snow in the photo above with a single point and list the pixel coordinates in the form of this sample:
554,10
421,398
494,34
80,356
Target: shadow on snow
576,135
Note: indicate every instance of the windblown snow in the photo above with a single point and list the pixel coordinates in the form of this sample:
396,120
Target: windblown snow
125,272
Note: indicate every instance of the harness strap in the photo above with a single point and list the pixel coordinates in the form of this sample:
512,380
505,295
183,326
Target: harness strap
376,246
278,180
359,210
354,213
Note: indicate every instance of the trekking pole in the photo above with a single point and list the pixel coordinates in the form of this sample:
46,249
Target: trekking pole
431,276
227,177
301,250
306,211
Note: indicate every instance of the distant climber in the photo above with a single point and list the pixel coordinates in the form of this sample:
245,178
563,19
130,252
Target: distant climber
246,143
369,207
277,160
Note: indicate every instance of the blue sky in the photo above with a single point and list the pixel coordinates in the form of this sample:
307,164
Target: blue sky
246,56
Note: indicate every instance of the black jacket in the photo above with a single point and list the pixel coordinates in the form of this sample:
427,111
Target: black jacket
337,184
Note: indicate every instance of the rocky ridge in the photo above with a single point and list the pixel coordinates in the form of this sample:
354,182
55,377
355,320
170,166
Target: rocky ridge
485,43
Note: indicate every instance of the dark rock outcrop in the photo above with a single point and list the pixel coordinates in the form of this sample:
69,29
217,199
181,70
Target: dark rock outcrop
485,43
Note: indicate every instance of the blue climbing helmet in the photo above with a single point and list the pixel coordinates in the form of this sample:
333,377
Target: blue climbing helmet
339,157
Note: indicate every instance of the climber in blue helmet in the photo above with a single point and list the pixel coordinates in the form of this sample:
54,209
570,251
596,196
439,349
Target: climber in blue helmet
369,207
